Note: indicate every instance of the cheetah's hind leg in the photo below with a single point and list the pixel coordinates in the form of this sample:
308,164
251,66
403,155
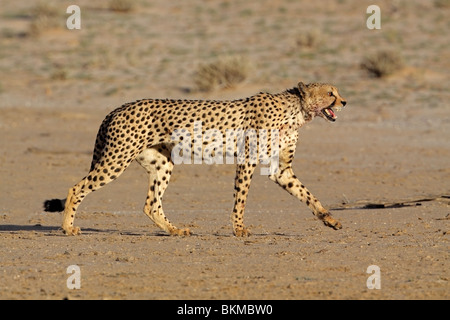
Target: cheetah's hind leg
158,164
102,172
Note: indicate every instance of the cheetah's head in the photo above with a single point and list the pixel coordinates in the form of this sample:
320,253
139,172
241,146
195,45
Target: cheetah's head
321,99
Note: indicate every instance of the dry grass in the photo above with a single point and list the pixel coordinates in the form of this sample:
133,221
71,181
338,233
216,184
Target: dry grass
383,63
442,3
121,5
43,17
225,72
309,39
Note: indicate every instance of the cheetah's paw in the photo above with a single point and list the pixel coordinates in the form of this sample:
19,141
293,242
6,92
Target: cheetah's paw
180,232
72,231
244,232
332,223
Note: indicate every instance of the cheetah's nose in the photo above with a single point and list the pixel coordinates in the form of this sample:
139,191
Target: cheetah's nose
344,102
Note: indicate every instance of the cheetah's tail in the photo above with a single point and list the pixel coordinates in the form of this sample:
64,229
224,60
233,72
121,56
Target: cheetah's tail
54,205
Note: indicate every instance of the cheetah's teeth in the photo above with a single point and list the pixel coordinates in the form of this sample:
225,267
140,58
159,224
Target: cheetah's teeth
329,114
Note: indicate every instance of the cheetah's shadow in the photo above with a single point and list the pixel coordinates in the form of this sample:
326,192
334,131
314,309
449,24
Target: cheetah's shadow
57,230
53,230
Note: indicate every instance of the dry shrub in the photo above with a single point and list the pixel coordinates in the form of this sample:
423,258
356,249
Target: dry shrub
121,5
309,39
225,72
383,63
442,3
43,17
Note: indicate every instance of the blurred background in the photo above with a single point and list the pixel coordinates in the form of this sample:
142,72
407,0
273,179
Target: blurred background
127,50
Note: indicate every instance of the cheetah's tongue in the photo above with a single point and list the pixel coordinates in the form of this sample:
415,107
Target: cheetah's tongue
328,112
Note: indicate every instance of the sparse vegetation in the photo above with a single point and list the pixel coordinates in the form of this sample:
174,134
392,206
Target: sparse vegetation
309,39
59,74
383,63
43,17
121,5
442,3
226,72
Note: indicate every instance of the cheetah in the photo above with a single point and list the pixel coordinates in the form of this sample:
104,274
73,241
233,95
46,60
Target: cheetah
143,131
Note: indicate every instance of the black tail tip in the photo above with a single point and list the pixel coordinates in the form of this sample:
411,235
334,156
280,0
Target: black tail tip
54,205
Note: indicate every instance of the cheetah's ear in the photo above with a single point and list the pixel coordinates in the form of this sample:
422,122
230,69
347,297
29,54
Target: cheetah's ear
302,88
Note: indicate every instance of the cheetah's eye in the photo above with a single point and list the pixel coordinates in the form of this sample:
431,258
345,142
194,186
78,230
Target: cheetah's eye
330,94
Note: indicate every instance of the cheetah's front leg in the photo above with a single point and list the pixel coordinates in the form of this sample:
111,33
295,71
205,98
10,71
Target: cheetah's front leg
244,174
288,181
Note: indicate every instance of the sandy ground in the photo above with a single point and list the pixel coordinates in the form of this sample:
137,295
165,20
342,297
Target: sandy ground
390,145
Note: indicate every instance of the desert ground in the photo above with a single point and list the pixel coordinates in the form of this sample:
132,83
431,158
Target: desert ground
382,168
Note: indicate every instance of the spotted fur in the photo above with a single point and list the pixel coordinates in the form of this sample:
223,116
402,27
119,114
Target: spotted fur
142,131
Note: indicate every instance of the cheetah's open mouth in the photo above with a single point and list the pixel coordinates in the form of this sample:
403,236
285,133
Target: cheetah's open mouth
329,114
